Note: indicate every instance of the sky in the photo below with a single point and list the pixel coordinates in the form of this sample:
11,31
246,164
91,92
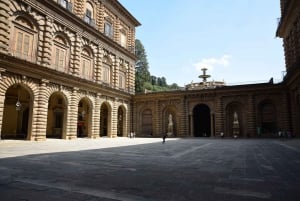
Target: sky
234,39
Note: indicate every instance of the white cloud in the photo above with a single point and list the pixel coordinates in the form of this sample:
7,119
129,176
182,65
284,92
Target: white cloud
211,63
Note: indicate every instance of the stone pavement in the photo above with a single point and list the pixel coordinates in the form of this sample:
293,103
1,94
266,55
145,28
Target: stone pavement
144,169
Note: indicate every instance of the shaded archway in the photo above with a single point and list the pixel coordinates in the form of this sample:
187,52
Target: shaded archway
83,118
267,119
105,120
121,119
147,123
16,114
56,120
202,121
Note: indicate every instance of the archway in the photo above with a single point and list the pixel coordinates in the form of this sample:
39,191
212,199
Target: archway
56,116
16,114
104,120
234,120
202,121
83,118
120,125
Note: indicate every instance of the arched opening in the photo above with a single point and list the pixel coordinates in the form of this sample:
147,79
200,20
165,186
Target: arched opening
17,107
147,122
56,116
268,119
120,128
104,120
83,118
234,120
202,121
170,122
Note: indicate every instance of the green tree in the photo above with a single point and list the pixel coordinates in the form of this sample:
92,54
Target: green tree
142,74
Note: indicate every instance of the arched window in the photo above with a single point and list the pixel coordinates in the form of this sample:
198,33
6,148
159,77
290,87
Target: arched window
86,69
60,54
24,41
89,14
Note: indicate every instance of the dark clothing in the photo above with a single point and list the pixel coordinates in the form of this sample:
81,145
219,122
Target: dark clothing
164,138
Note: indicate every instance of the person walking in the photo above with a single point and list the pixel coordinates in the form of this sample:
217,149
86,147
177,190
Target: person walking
164,138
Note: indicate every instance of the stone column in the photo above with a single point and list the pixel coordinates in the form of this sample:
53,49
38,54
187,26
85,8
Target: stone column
219,116
251,117
114,118
96,117
40,113
191,124
72,115
156,120
212,123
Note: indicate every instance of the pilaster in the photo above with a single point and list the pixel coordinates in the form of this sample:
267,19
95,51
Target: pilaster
96,117
219,116
46,43
251,116
76,55
114,120
4,26
40,112
72,115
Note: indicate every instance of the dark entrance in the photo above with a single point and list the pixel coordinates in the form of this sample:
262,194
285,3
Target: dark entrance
201,121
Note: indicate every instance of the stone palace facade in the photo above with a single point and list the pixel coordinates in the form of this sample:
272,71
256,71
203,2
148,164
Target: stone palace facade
67,70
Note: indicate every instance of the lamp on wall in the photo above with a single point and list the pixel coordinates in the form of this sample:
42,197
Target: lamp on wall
18,103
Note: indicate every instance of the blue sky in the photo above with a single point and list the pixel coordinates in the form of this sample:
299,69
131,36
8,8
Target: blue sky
234,39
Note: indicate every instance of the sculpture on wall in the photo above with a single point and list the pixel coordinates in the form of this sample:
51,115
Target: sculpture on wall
170,125
236,125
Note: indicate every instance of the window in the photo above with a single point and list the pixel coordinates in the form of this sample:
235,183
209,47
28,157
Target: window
24,40
59,57
122,80
23,45
59,54
89,16
123,38
86,65
108,28
106,74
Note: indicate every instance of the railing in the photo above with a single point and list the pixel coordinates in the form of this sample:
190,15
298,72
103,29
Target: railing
89,21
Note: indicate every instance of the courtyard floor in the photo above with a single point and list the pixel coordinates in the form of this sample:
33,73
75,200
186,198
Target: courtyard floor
145,169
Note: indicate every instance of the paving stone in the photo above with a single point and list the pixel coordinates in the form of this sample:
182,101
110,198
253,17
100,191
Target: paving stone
144,169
